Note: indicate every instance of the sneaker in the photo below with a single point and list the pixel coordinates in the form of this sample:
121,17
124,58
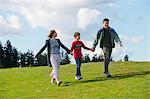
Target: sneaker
59,82
53,81
107,75
78,77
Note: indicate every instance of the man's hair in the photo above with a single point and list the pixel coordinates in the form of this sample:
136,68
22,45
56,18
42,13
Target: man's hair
51,33
106,19
76,34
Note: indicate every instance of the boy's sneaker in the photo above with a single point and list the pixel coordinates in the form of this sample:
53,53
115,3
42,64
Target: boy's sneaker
78,77
59,82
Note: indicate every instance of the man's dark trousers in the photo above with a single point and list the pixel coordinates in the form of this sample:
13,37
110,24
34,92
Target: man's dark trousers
107,54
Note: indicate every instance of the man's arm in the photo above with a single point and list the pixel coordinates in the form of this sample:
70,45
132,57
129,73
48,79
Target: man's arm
96,40
117,39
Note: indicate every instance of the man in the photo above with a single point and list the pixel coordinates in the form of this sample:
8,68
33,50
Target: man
106,36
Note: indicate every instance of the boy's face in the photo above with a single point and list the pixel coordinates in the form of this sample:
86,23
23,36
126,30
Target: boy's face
106,24
77,37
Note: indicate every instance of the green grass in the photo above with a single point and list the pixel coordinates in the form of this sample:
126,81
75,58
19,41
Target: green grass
131,80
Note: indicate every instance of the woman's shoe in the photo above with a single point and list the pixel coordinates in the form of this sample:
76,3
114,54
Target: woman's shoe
59,82
53,81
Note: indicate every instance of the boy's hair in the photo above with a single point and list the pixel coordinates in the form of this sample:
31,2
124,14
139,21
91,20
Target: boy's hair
51,33
106,19
76,34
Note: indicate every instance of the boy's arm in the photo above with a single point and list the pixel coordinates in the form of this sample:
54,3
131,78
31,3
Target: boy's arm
85,47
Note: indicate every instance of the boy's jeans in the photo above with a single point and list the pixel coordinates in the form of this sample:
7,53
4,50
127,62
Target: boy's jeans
78,65
107,54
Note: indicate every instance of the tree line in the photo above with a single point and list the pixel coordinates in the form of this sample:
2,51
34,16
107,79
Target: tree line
11,57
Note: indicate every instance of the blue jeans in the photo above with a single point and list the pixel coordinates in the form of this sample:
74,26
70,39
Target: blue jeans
78,65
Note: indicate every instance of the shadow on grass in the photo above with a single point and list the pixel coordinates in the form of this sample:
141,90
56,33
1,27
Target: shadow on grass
114,77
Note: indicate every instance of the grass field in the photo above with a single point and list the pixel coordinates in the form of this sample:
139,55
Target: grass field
130,80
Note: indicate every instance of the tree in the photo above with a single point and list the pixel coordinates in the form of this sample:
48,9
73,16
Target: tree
8,55
85,58
101,58
126,58
94,58
1,55
29,58
65,59
42,60
15,57
22,58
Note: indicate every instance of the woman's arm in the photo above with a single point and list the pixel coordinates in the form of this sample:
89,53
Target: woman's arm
64,47
42,49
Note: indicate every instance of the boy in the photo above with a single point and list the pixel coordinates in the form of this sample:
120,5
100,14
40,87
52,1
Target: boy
76,48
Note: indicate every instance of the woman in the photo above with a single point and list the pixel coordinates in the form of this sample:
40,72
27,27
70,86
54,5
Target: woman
53,51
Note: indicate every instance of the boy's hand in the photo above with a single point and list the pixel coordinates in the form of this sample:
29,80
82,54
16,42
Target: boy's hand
71,53
92,49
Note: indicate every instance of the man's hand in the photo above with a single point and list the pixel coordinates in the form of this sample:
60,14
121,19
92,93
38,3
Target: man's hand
120,44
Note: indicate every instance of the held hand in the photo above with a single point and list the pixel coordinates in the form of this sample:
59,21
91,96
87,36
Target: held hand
92,49
35,56
71,53
120,44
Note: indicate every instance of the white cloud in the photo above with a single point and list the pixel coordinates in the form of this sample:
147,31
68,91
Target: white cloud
119,52
131,39
54,13
87,16
39,17
9,25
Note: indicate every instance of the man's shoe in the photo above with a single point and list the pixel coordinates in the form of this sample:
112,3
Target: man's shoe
107,75
78,77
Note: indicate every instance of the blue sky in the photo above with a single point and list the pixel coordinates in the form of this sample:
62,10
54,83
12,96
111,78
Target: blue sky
26,23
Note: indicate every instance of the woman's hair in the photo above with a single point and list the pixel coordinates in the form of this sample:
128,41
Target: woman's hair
51,33
76,34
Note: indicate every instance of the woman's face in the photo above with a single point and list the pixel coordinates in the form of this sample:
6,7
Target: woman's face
55,34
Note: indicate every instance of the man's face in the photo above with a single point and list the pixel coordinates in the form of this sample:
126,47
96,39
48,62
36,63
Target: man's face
106,24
